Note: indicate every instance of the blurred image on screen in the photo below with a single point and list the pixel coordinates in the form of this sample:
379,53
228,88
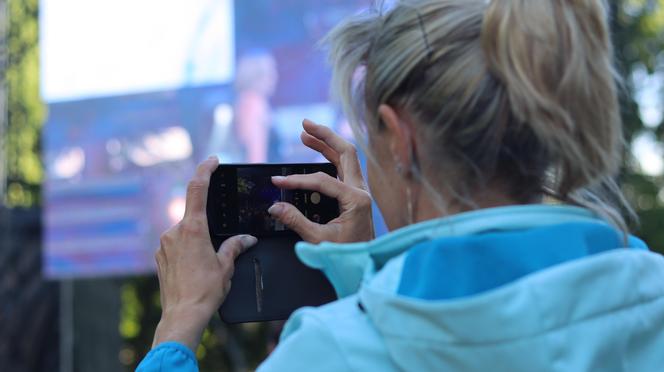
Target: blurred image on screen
139,92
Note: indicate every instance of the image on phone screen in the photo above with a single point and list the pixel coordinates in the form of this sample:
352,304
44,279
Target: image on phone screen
240,196
255,194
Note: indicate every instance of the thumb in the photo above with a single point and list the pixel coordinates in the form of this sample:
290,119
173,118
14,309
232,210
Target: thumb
234,246
292,218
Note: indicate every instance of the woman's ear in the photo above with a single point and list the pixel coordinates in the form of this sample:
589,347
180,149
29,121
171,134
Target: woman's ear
399,136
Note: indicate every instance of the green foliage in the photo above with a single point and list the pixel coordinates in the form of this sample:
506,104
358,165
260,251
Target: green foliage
131,312
25,110
639,26
223,347
638,31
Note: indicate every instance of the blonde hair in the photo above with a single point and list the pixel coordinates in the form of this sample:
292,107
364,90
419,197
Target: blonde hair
253,70
520,93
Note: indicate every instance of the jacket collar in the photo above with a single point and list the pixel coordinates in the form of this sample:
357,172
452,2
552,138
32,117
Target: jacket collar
345,264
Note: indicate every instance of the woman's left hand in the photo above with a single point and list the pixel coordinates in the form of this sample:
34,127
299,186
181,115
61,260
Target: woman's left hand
355,223
193,279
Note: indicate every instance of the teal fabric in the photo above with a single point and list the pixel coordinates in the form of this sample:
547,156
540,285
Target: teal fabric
599,308
169,356
345,264
472,264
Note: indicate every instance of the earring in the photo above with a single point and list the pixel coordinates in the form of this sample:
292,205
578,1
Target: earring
409,198
409,205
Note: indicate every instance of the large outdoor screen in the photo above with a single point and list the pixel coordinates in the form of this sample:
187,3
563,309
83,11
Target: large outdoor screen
139,92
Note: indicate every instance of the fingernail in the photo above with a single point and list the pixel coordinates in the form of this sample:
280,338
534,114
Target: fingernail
275,209
278,178
248,241
215,157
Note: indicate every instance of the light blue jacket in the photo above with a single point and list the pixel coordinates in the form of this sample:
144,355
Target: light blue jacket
523,288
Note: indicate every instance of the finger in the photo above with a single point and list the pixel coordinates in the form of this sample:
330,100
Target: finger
231,248
160,260
326,135
197,190
165,240
319,181
160,257
292,218
320,146
348,159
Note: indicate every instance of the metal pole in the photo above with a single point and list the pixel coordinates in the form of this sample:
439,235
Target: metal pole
4,27
67,325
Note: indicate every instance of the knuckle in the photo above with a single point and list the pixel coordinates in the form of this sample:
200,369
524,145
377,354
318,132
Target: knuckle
165,239
289,179
197,185
350,150
364,199
320,176
192,226
290,219
227,255
202,166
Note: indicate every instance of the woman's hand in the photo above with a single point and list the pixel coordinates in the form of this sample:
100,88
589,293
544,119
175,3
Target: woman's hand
354,222
193,279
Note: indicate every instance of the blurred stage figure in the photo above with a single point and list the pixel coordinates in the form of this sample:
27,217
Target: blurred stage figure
255,83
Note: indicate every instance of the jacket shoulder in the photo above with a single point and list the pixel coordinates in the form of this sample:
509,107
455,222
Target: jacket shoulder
334,337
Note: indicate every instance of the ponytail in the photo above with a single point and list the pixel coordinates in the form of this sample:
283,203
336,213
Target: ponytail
554,59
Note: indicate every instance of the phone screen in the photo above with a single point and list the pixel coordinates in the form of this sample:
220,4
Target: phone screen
240,196
255,194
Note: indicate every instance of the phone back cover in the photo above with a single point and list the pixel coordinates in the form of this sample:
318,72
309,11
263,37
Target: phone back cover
270,282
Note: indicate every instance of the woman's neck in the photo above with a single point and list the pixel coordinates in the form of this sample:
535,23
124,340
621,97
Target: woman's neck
428,207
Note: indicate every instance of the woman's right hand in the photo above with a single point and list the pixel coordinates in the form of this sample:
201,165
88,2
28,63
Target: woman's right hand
354,223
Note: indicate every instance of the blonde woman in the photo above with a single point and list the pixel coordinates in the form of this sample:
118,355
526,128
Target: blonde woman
255,83
494,133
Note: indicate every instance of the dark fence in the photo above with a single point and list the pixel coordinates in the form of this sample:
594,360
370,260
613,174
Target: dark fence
29,339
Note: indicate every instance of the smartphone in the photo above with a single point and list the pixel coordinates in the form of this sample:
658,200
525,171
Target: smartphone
269,281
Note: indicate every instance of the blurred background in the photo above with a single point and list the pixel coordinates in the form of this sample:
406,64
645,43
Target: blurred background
107,106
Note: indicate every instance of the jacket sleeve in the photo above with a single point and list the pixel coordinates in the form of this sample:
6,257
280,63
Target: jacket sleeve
169,357
306,344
